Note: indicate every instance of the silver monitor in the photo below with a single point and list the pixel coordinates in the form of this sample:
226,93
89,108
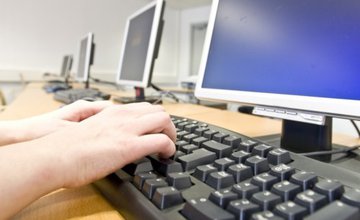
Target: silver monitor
140,45
296,60
85,58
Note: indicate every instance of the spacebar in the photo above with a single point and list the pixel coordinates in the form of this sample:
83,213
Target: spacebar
127,200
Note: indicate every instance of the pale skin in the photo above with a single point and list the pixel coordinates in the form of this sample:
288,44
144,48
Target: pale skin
70,148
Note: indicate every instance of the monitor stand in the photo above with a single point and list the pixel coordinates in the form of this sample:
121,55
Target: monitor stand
300,137
139,97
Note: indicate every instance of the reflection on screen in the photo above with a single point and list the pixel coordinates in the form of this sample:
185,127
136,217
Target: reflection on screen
307,47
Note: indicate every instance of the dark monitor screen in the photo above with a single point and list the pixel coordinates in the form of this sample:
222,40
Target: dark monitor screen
294,54
139,46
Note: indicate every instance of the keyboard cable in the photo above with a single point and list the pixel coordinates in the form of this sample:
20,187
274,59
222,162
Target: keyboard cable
339,151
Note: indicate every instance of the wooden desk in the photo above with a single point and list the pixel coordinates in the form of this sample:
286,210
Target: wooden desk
85,202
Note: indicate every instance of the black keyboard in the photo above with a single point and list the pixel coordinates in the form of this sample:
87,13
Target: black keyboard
220,174
72,95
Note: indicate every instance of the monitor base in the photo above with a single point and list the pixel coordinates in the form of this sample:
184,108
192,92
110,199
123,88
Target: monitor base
350,161
127,100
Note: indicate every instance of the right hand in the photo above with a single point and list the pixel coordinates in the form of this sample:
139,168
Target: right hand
105,142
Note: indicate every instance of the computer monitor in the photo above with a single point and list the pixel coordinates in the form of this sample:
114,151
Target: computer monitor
66,67
295,60
86,58
140,48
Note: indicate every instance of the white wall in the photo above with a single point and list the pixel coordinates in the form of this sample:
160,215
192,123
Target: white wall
35,34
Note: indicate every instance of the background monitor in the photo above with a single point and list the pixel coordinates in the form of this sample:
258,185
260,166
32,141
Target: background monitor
86,55
66,66
284,56
140,46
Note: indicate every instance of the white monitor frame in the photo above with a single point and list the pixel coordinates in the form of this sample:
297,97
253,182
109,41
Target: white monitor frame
318,105
159,4
66,66
88,50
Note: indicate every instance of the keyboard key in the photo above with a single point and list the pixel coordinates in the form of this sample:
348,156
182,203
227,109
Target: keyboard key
332,189
278,156
191,127
286,190
306,180
240,172
245,190
243,208
223,163
240,156
261,150
187,149
282,171
311,200
222,197
165,166
201,172
258,164
181,134
177,155
266,200
200,131
179,180
150,185
247,145
266,215
220,149
183,124
220,180
209,134
198,141
197,158
336,210
140,178
290,210
219,137
232,141
352,197
190,137
139,166
265,181
166,197
180,143
202,208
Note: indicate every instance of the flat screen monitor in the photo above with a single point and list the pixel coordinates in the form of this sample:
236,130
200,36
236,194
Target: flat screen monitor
289,57
85,59
140,45
66,66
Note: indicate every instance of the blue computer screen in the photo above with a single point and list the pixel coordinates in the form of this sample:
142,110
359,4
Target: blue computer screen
295,47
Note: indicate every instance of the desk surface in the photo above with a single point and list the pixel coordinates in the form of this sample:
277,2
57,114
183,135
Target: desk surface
85,202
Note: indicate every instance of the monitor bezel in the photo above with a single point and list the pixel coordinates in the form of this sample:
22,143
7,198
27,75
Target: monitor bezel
89,38
325,106
66,65
145,82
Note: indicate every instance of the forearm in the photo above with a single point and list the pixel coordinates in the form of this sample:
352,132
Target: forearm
16,131
28,171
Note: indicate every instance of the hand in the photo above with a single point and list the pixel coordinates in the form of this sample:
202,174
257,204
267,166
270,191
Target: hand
114,137
96,146
38,126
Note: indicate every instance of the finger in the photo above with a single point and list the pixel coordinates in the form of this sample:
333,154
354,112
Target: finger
138,109
151,144
81,110
156,122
